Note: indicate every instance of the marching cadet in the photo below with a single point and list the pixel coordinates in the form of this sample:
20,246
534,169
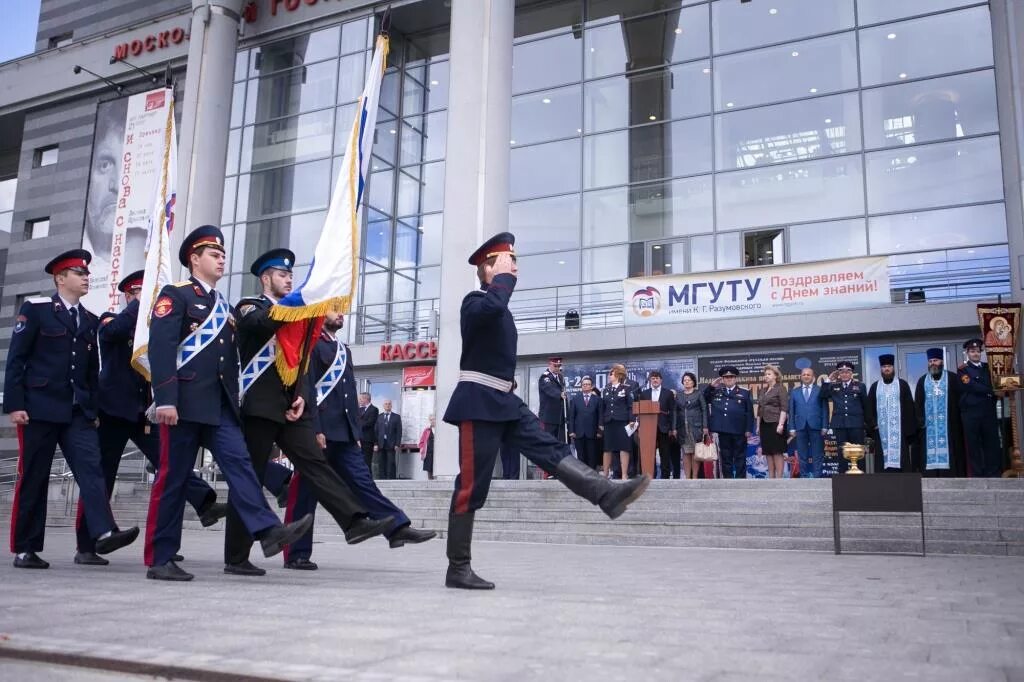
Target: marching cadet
731,417
849,404
50,391
124,396
489,414
978,413
194,360
275,413
336,423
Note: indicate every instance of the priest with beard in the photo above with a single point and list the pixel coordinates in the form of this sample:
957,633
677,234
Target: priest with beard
891,419
937,400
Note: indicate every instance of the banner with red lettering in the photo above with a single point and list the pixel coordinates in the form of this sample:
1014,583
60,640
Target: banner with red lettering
127,156
750,292
418,376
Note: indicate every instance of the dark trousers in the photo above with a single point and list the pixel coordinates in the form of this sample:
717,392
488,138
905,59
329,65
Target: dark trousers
178,447
981,433
810,448
509,463
114,434
587,452
853,435
348,461
367,446
37,442
298,442
732,452
387,464
668,450
478,449
276,477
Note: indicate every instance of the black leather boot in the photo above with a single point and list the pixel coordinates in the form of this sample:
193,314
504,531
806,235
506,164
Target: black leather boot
613,498
460,537
275,538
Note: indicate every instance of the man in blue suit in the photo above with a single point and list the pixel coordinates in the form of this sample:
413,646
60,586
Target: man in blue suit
807,424
584,421
731,417
50,391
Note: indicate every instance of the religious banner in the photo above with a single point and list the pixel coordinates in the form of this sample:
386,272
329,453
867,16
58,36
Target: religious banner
805,287
127,159
1000,324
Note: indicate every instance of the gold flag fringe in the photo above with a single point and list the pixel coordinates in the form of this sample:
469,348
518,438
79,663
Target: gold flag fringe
284,313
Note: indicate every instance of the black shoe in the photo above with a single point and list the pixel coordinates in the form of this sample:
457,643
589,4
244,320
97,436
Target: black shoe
30,560
462,577
168,571
177,557
460,538
366,528
90,559
282,497
301,564
275,538
213,513
613,498
244,568
409,535
117,540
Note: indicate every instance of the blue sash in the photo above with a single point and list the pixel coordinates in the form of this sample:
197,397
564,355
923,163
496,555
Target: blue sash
936,414
889,423
255,368
193,344
333,374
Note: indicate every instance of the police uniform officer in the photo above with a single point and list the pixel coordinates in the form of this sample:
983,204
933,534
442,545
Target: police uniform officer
731,416
335,410
124,396
551,392
978,414
849,404
269,411
193,356
488,414
50,391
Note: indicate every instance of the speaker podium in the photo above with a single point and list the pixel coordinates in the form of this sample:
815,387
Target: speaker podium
646,412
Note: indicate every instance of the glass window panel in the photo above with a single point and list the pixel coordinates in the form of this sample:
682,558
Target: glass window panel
702,253
303,49
545,169
648,153
951,227
773,74
669,209
227,206
548,115
6,220
764,247
292,92
820,241
537,19
727,250
352,76
403,289
429,229
606,216
8,188
815,190
407,246
740,26
241,64
377,243
550,224
431,46
380,193
288,140
925,47
619,101
344,119
668,258
421,189
385,143
292,188
389,92
428,282
234,142
655,40
605,263
353,36
546,63
414,92
550,269
237,102
602,11
296,232
375,290
877,11
788,132
935,175
933,109
436,82
424,137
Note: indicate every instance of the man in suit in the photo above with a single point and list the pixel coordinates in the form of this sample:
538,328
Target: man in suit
849,406
50,391
731,417
584,422
273,412
666,404
368,430
389,439
807,424
123,399
335,421
978,413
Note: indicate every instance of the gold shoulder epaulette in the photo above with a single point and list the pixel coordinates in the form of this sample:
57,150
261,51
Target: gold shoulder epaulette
183,283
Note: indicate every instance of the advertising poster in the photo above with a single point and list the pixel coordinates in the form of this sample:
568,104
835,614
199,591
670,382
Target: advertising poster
671,369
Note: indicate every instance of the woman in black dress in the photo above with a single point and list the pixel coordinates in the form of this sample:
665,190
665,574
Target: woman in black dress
616,413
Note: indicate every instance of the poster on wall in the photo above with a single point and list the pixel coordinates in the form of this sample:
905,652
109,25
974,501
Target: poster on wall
127,149
417,406
671,369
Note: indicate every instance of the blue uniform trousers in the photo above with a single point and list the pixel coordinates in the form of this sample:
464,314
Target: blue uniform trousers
810,447
478,448
114,434
276,477
732,453
178,447
37,442
348,461
854,435
981,433
509,463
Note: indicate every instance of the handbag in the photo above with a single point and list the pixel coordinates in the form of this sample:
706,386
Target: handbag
706,450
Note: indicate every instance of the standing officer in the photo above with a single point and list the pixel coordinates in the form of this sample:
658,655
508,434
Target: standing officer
731,416
194,360
489,414
50,389
124,396
849,404
275,413
335,420
552,407
978,413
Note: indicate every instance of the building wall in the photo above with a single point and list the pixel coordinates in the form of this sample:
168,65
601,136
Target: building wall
87,17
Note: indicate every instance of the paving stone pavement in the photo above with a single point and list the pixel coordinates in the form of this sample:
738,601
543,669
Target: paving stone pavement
561,612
